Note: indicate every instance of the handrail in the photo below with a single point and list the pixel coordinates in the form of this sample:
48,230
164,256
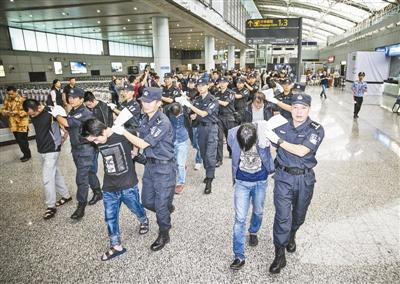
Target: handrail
372,20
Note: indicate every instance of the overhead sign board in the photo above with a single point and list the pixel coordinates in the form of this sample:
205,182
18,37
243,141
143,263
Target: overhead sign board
273,31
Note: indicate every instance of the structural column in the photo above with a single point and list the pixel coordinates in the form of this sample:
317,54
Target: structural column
161,54
209,49
231,57
242,58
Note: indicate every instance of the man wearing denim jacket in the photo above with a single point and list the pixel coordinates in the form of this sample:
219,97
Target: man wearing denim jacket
251,164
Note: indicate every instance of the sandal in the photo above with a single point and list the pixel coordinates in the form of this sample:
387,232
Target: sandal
49,213
62,201
111,253
144,228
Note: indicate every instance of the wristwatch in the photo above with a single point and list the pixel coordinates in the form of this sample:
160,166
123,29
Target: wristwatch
280,141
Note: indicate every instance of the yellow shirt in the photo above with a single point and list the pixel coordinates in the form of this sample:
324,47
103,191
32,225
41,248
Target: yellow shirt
18,119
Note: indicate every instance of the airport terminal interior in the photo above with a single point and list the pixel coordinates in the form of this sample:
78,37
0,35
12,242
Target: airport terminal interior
316,83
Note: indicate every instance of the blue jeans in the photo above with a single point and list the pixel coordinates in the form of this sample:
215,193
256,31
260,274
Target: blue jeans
195,145
244,191
181,151
112,203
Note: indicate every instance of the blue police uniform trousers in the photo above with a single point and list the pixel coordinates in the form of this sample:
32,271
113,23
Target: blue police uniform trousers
158,188
208,143
292,196
85,175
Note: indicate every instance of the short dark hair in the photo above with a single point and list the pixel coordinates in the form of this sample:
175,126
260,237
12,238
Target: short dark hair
246,136
70,78
259,96
176,108
30,104
11,88
131,78
88,96
92,127
271,84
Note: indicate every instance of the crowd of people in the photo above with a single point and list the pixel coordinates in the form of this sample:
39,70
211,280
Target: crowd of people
264,120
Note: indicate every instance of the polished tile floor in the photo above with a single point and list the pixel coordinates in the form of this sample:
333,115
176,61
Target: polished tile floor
351,234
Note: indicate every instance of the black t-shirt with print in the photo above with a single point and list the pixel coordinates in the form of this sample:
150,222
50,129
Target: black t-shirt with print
119,170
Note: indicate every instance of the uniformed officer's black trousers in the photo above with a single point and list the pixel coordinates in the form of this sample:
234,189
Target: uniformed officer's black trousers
357,104
159,180
85,175
208,142
225,123
292,196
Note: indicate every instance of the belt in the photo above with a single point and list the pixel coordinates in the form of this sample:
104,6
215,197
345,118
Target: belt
207,123
157,161
294,171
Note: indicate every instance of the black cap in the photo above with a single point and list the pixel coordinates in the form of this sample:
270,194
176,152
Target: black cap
168,75
76,92
303,99
223,80
240,81
251,75
361,74
299,87
286,82
151,94
202,81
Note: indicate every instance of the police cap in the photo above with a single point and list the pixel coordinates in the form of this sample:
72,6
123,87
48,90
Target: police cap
201,82
151,94
76,92
303,99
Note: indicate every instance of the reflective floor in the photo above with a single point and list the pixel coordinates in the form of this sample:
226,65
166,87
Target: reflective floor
351,233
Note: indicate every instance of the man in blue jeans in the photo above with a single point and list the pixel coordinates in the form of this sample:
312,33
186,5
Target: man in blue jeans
251,165
120,181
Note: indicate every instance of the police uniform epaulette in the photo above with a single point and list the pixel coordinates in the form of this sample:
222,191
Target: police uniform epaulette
158,120
315,125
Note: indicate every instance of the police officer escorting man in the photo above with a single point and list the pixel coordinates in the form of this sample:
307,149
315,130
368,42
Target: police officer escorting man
226,99
205,108
156,138
169,92
251,85
82,151
242,95
285,99
297,142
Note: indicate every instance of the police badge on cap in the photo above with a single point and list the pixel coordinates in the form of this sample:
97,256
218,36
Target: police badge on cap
303,99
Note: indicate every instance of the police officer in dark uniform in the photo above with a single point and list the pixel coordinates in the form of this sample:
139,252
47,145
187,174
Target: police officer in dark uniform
133,106
169,92
226,100
297,142
191,93
205,109
156,138
252,86
82,152
241,97
285,99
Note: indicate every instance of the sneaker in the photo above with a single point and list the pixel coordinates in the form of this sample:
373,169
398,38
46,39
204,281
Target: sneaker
197,166
253,240
179,189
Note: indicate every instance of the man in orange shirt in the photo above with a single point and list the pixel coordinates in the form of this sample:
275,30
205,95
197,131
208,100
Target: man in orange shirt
18,120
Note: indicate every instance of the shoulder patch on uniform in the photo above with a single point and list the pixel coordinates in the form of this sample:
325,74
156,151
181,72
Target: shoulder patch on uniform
78,116
314,138
315,125
158,120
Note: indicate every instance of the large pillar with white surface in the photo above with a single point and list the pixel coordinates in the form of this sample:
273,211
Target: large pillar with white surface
231,57
161,54
242,58
209,49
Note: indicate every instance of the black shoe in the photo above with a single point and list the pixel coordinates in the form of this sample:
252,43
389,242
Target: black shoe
253,240
279,261
161,241
79,212
237,264
24,159
218,164
207,189
205,180
97,196
171,208
144,228
291,247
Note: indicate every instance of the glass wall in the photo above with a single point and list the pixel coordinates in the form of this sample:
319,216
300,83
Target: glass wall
48,42
125,49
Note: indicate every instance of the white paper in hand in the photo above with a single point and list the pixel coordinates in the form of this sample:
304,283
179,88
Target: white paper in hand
276,121
123,117
270,96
